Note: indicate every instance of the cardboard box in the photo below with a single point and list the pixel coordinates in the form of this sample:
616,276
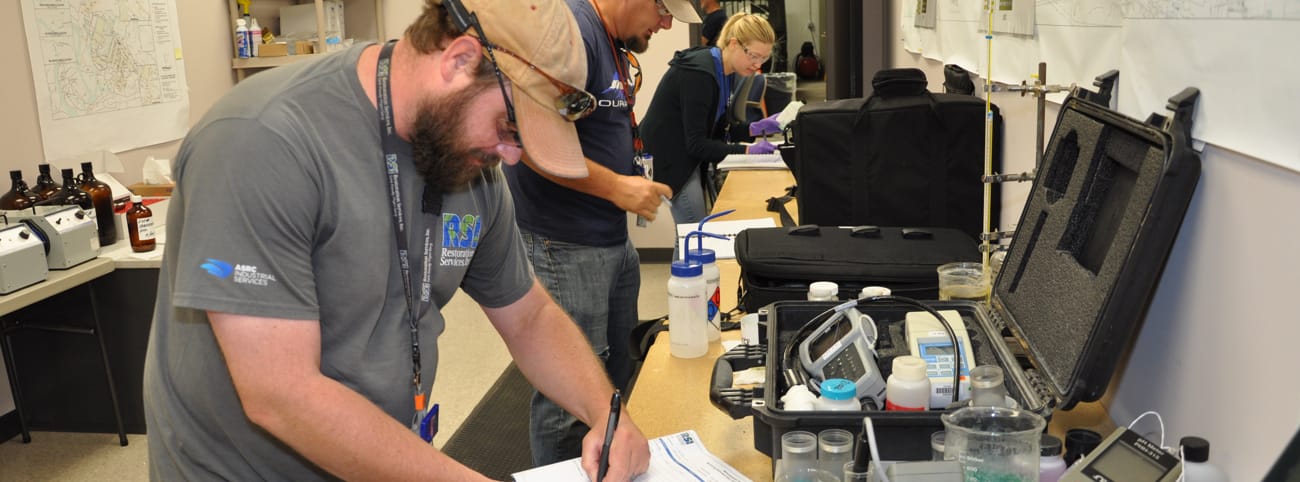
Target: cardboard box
278,49
151,190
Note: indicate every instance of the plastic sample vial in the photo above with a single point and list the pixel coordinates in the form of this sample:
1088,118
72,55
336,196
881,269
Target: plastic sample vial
823,291
1050,464
686,331
834,449
986,387
839,394
908,387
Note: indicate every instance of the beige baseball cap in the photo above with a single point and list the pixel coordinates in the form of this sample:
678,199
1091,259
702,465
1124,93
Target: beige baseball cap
542,47
682,10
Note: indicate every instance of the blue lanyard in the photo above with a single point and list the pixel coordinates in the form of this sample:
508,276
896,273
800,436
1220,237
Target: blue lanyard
415,308
723,82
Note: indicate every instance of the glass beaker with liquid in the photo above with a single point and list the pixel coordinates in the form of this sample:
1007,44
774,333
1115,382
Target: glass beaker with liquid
994,444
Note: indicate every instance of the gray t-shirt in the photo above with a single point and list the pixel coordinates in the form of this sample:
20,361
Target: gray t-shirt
281,210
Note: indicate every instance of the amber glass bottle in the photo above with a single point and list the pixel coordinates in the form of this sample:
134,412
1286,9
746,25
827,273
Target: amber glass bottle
102,196
18,196
140,226
45,185
70,194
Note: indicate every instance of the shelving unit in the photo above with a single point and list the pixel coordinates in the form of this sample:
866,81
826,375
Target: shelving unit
265,10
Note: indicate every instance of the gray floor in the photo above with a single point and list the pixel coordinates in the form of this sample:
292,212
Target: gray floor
472,356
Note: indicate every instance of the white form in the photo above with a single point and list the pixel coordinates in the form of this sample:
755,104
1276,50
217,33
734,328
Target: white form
722,248
673,458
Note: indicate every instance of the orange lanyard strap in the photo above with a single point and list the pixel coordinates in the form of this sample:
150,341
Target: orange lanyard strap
623,74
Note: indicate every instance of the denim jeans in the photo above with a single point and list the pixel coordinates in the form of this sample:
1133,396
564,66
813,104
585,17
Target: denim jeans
598,287
688,203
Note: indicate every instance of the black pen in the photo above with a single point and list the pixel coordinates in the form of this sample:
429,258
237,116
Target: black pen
615,405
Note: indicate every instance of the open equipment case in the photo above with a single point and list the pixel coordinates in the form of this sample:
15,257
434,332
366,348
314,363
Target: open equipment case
1092,242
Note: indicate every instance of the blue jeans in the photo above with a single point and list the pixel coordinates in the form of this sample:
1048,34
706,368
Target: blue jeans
598,287
689,206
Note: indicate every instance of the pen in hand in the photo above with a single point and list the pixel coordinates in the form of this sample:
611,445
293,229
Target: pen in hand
615,405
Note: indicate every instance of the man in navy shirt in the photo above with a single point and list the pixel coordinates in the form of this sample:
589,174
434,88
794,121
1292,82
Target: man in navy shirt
575,230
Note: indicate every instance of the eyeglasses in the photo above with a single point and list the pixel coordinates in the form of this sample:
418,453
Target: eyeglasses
663,9
755,58
573,103
465,20
634,70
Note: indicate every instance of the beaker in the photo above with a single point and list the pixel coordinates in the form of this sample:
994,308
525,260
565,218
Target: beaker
994,443
798,461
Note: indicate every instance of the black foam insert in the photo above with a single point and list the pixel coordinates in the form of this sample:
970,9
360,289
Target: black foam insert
1086,213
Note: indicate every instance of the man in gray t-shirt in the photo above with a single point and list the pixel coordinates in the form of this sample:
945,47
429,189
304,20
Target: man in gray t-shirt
325,211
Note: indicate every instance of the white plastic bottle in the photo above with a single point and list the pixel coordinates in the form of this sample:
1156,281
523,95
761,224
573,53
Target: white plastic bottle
799,399
1050,464
713,296
686,328
908,387
1196,462
254,39
241,39
823,291
839,394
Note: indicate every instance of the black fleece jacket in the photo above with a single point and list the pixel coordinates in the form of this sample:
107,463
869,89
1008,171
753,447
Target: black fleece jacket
681,129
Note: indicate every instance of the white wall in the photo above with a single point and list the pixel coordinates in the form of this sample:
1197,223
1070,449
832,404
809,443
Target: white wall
1216,354
797,15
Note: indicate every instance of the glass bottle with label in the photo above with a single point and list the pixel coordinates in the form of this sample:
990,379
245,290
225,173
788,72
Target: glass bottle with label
102,196
45,185
18,196
140,226
70,194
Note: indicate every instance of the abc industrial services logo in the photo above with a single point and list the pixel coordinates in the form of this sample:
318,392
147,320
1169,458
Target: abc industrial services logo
239,273
460,235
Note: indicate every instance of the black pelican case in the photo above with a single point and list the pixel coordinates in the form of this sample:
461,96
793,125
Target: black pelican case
1096,231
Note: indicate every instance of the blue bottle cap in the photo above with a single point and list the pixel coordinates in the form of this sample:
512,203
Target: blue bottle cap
686,269
701,256
839,389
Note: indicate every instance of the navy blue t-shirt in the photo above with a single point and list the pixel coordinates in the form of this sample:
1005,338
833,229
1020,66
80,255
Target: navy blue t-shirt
560,213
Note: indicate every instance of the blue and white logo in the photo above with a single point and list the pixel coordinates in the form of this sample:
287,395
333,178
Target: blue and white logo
218,268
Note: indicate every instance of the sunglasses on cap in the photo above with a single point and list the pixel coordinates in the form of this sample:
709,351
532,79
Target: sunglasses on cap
572,104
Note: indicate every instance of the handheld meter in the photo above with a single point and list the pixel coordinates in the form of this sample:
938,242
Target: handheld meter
927,339
1125,456
842,347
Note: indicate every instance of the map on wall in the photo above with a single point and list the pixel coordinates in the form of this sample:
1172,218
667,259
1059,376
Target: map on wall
925,13
1009,16
108,74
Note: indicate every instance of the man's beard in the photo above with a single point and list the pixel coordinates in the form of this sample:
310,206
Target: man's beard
636,44
436,142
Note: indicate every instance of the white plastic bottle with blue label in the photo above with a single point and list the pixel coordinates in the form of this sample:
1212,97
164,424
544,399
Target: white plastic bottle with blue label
713,296
255,39
839,394
242,48
686,331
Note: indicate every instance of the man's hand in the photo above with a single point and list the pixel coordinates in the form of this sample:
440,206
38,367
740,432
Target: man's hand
765,126
629,453
640,196
761,147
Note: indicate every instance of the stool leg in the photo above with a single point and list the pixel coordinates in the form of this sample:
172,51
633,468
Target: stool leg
13,385
108,371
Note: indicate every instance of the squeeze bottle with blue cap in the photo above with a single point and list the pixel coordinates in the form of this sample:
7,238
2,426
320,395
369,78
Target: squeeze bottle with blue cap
686,330
839,394
713,296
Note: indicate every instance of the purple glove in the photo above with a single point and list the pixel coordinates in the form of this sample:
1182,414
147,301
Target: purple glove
761,147
765,126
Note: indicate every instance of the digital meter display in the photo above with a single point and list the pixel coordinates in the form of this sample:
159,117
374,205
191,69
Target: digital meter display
938,349
1123,459
823,343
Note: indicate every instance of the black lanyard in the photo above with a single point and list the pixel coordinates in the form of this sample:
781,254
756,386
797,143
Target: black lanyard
415,308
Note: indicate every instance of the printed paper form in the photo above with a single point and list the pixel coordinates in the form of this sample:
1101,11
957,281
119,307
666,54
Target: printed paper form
722,248
751,161
677,457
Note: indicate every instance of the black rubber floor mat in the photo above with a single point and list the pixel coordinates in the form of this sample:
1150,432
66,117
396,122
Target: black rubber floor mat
494,438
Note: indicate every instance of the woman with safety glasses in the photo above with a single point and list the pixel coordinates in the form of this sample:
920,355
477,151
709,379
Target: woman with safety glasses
685,127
